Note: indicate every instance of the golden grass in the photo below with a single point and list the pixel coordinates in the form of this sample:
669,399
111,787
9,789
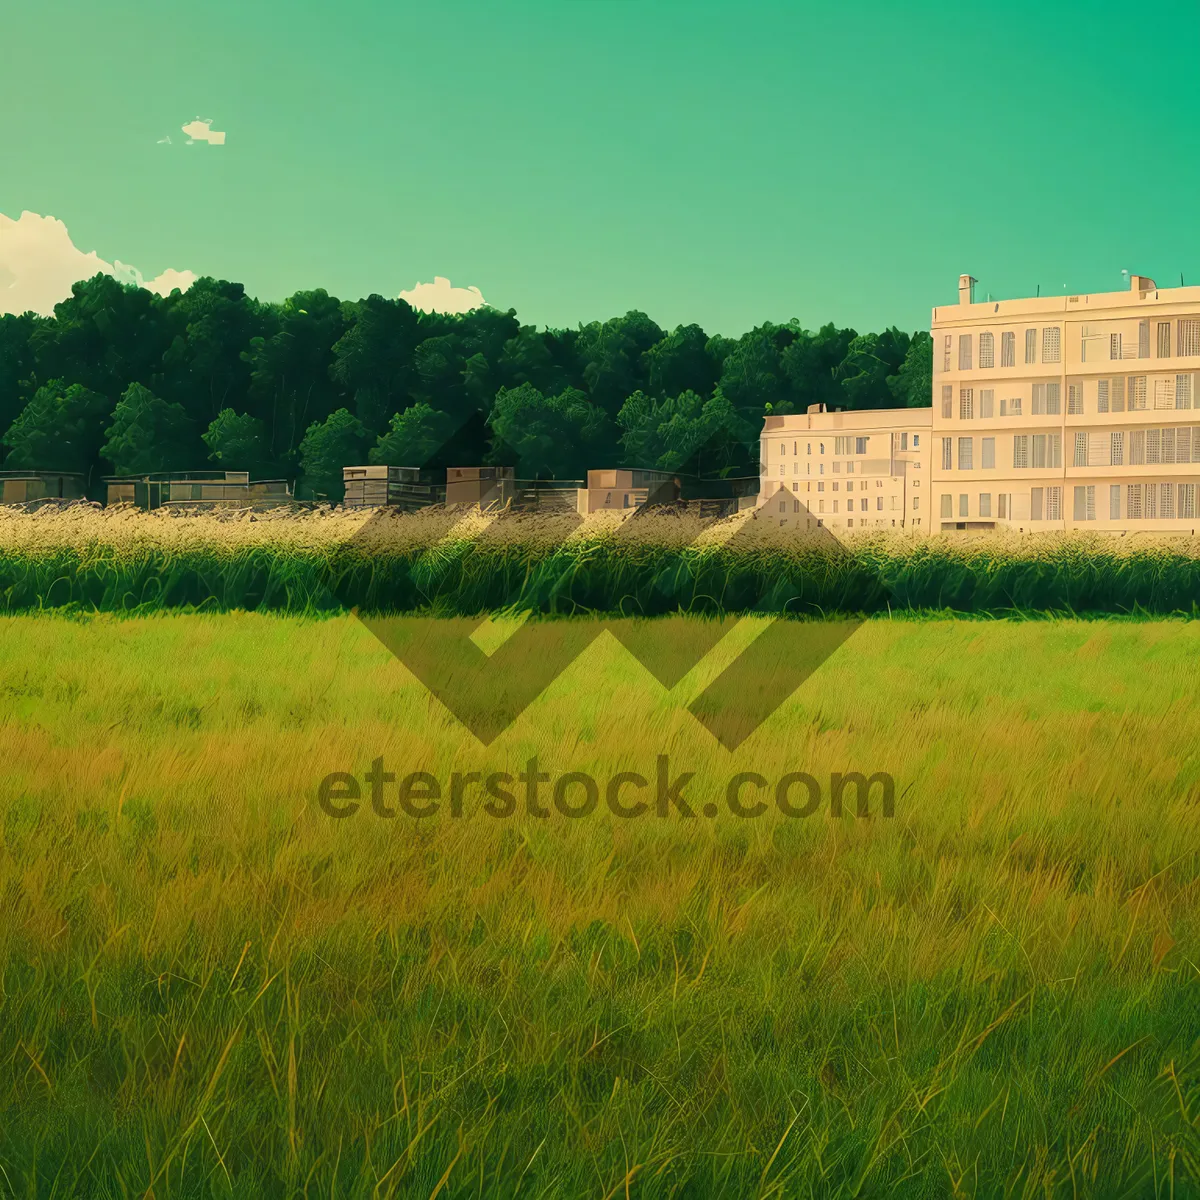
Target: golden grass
209,985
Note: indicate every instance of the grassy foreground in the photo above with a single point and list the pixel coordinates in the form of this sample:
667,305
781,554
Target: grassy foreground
208,987
451,562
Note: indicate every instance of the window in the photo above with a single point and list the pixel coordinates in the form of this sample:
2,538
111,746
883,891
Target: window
1002,505
1183,444
1164,393
1144,338
1116,448
989,453
1020,450
965,454
1036,503
879,503
987,352
916,503
1051,344
1085,503
1164,339
1054,504
1114,345
1153,447
1118,395
820,487
947,402
1137,447
1011,407
1081,450
1031,345
1114,502
964,351
1187,501
966,403
985,504
1166,497
946,353
1183,391
987,403
860,445
1188,342
1149,501
1039,399
1008,349
1133,502
1054,398
947,506
1102,395
1047,450
841,445
1137,393
916,440
963,507
947,452
1075,399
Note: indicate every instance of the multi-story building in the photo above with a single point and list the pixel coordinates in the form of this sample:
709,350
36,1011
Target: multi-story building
1067,412
846,471
1048,413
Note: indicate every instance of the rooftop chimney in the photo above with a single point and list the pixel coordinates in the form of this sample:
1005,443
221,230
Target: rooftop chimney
1140,283
966,289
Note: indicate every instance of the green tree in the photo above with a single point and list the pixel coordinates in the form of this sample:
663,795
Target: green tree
328,446
682,362
557,437
870,360
417,437
373,359
60,429
685,433
912,385
238,442
148,433
612,354
16,364
811,365
291,387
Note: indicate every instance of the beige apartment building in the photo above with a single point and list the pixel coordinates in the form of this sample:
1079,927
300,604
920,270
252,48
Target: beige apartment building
1068,412
1062,412
847,471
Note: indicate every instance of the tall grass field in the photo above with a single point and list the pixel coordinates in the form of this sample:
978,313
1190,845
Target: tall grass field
442,561
209,986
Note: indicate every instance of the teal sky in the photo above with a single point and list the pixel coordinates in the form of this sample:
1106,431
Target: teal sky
722,162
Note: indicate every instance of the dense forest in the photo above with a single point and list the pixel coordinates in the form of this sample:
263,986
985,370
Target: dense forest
121,380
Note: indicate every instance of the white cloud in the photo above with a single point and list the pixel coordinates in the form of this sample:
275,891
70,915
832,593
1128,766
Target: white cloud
439,296
202,131
39,263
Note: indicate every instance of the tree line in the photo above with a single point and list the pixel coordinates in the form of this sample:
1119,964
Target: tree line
122,381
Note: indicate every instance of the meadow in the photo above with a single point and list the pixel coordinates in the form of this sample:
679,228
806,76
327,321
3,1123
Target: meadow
210,987
451,562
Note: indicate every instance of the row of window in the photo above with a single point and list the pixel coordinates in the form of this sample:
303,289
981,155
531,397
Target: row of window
1142,501
983,506
864,504
1135,447
1029,450
1119,394
837,468
1115,448
843,445
1097,344
1051,344
1094,339
1047,401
